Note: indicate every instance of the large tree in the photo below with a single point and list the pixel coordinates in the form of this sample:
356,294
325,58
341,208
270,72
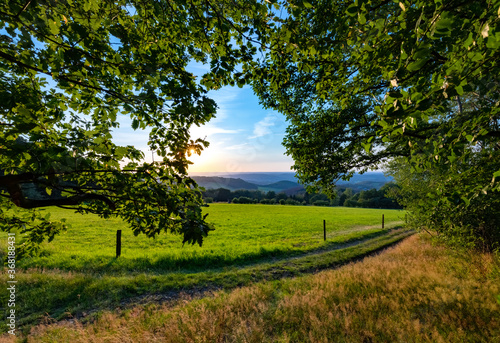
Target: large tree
363,82
69,70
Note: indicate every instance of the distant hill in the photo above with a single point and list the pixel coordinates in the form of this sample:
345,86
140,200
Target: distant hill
262,178
281,181
214,182
280,186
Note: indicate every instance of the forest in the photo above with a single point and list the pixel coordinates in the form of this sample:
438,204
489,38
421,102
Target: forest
382,198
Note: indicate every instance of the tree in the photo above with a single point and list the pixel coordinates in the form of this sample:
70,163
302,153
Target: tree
270,194
346,195
281,196
364,82
436,201
70,69
223,194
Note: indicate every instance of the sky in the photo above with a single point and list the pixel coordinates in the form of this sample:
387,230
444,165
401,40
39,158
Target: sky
243,137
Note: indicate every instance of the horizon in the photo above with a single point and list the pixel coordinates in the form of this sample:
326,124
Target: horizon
270,172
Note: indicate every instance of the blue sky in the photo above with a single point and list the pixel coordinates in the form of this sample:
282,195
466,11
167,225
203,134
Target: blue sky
244,137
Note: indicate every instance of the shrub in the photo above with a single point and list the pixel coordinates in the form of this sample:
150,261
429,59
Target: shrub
321,203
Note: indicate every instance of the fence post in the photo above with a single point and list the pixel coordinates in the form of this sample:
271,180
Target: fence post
118,243
382,221
324,229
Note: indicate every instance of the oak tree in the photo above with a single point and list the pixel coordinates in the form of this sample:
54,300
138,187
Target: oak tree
363,82
70,71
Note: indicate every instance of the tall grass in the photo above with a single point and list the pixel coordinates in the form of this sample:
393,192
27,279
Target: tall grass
414,292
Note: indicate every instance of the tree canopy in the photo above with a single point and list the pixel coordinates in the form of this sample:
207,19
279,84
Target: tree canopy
69,70
363,82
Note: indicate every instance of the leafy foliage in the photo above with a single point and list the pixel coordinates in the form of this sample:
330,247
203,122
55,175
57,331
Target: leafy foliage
366,81
70,69
437,199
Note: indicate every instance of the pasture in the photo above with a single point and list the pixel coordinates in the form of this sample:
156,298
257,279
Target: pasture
78,275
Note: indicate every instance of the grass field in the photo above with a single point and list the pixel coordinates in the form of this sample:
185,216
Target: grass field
77,275
414,292
244,234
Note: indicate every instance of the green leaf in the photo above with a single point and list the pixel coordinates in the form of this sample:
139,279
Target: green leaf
466,201
135,124
352,10
53,27
24,111
87,5
468,41
361,18
367,147
414,66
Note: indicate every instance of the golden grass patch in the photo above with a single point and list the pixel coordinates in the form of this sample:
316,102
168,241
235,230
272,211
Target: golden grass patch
413,292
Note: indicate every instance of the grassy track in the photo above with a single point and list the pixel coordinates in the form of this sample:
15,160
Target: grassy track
78,272
414,292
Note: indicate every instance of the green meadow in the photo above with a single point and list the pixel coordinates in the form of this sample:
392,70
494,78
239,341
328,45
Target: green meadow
243,234
78,274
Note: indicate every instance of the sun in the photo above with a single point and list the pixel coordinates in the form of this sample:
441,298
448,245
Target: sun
192,151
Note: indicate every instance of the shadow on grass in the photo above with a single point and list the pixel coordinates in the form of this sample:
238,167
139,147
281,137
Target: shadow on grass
194,264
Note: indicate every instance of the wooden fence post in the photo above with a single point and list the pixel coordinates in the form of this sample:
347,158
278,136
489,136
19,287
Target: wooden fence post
382,221
118,243
324,230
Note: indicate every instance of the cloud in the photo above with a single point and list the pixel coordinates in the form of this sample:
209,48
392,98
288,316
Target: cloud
210,130
239,147
228,101
264,127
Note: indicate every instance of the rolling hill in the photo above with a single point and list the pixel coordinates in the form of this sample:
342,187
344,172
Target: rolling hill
282,182
214,182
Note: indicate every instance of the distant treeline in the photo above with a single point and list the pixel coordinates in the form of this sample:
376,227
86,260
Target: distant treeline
372,198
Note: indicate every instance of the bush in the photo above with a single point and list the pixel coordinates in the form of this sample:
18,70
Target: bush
321,203
245,200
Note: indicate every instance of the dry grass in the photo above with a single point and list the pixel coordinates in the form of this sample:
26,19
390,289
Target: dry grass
414,292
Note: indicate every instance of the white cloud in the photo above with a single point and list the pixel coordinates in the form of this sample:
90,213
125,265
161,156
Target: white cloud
239,147
210,130
264,127
226,100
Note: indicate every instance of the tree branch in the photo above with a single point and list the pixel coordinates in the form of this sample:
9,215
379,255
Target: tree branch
13,185
65,78
23,9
